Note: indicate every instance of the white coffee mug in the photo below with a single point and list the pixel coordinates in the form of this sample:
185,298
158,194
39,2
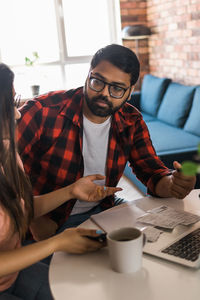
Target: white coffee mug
125,247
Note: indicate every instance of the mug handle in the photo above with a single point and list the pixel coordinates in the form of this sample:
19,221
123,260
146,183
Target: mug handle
144,239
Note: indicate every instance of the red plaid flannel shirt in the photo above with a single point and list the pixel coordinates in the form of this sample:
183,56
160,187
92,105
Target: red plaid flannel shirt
50,143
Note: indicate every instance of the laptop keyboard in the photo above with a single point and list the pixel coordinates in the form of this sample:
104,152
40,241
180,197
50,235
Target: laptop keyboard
187,247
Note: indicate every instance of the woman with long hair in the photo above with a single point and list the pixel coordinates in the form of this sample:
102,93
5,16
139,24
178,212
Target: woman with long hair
22,276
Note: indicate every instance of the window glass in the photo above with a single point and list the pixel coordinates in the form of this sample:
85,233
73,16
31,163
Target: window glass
28,26
87,26
76,75
49,78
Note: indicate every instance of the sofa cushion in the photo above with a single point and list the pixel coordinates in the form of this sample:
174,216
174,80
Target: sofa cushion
152,91
192,124
176,104
147,117
168,139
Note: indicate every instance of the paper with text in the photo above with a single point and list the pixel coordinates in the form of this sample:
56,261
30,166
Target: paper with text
168,218
152,233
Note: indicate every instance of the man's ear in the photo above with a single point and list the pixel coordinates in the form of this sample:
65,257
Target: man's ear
131,91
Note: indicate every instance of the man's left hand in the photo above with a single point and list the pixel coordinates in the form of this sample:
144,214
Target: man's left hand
181,185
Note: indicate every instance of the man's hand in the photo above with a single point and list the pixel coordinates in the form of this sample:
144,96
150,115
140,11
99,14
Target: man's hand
85,189
43,228
181,185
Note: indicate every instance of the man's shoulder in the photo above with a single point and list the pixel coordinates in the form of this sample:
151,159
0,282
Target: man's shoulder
130,109
51,98
130,113
58,98
127,116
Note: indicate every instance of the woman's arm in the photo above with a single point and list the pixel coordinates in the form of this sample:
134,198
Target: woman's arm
72,240
84,189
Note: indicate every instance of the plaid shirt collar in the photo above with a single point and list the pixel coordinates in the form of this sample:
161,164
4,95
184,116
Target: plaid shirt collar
73,110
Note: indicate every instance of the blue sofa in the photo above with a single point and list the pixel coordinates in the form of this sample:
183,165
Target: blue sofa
172,113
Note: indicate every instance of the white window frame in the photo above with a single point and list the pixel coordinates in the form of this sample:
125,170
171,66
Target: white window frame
64,59
115,25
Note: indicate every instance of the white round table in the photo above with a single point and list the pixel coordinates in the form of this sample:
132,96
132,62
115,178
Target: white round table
90,277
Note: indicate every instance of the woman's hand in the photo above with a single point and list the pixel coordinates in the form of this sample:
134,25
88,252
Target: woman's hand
74,240
85,189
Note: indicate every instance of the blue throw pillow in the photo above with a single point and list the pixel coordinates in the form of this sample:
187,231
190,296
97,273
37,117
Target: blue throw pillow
152,91
192,124
176,104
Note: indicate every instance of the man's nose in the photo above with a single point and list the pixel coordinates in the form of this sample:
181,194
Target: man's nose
105,91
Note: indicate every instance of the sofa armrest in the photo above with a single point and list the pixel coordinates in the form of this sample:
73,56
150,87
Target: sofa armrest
135,99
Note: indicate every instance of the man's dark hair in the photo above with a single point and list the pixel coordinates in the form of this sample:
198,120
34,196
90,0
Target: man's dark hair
121,57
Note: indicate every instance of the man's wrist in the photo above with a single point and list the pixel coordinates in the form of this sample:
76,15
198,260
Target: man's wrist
163,187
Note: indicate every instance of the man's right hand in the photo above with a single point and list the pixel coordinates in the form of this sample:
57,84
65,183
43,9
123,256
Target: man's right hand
86,189
43,228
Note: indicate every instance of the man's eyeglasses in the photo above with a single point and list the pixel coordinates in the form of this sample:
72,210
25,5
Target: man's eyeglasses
17,99
98,85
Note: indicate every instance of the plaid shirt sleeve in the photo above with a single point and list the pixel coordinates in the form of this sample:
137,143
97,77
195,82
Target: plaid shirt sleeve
143,159
49,142
30,126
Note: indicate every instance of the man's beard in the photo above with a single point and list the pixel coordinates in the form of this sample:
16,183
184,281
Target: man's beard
100,111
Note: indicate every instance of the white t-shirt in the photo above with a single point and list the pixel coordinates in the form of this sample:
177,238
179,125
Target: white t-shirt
95,145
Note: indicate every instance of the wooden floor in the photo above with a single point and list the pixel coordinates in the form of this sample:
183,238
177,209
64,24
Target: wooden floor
130,192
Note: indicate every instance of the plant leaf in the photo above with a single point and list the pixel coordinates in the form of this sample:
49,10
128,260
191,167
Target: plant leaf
198,149
35,54
189,168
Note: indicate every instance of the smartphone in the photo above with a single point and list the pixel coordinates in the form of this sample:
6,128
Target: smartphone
100,238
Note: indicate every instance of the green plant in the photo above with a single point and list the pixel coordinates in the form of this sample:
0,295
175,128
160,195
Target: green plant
191,168
31,61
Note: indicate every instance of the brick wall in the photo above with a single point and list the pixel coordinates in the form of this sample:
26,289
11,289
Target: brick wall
134,12
173,49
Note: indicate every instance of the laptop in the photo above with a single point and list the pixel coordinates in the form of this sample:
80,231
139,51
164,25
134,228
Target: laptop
180,244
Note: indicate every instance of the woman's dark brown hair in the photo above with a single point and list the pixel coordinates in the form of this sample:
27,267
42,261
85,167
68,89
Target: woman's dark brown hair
14,184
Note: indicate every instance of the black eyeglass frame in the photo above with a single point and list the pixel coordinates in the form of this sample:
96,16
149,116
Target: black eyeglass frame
109,86
17,99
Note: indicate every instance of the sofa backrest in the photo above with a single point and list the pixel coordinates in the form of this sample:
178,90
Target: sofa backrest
176,104
192,124
152,91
